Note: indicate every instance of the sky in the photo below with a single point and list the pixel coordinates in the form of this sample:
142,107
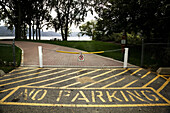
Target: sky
73,27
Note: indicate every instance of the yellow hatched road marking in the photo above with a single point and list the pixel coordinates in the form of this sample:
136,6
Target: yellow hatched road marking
113,83
84,105
19,69
150,81
71,78
16,88
19,76
103,73
135,80
164,77
28,78
145,74
25,71
163,86
129,84
136,71
70,85
57,76
38,81
105,79
91,78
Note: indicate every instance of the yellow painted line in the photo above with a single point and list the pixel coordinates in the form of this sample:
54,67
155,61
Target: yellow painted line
9,74
38,81
145,74
135,80
91,78
30,70
129,84
71,78
40,87
83,105
163,86
28,78
103,74
105,79
20,76
19,69
70,85
57,77
9,94
136,71
7,90
113,83
160,95
150,81
164,77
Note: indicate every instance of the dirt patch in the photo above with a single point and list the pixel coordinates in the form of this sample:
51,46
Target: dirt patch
85,80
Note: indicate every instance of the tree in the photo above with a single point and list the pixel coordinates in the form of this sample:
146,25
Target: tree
69,12
89,29
147,17
11,12
19,13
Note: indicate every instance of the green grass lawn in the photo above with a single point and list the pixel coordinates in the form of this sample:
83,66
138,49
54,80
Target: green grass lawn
6,56
90,46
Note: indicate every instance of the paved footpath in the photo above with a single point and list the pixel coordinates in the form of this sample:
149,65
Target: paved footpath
52,58
82,90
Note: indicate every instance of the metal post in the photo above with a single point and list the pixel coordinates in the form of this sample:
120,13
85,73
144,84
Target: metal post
40,56
13,46
125,58
142,53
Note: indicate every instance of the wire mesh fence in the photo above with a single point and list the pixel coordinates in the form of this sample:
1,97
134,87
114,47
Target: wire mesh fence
155,55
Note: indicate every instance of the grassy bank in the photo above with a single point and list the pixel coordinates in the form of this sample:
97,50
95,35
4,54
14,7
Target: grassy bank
6,57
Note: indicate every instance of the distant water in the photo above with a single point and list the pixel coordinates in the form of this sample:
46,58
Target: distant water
52,37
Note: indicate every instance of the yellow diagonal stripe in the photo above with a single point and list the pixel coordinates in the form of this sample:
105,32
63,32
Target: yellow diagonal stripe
57,76
105,79
28,78
113,83
166,83
19,76
91,78
136,71
150,81
129,84
71,78
38,81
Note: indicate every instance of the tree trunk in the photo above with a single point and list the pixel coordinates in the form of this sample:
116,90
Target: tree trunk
36,32
30,30
18,24
33,32
62,34
39,30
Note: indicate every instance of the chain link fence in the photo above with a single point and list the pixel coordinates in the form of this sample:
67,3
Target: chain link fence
155,55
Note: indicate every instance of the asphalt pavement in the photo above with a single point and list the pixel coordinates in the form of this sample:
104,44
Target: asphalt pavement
84,90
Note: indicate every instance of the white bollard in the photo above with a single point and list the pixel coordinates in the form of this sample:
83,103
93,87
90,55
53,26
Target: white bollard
125,58
40,56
